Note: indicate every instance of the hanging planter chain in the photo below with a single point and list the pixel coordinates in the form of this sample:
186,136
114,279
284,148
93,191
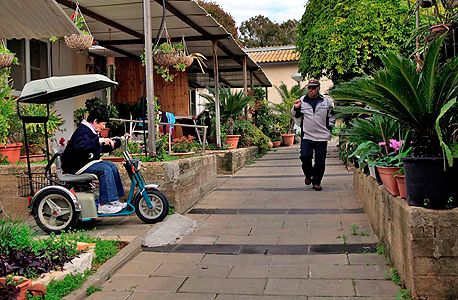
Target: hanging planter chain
79,42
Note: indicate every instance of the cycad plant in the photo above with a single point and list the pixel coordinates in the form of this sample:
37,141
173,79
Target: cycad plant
376,129
416,98
287,100
231,103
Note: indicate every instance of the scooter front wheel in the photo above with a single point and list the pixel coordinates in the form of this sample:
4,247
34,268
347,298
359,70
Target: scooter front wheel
159,210
54,211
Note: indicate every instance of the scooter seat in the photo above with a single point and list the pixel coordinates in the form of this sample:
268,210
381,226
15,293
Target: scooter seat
84,177
76,178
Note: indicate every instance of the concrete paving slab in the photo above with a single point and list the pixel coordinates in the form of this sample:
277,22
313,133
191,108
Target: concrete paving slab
170,296
270,272
137,283
184,270
328,259
309,287
138,269
181,258
224,286
365,259
169,231
236,260
376,288
348,271
109,295
249,297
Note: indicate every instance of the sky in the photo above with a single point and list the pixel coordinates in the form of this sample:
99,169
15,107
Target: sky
277,11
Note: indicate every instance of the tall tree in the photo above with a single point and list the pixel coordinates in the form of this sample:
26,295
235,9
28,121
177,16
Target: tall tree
342,39
260,31
220,16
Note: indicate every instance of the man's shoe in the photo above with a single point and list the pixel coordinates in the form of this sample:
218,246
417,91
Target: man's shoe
317,187
118,203
308,181
108,209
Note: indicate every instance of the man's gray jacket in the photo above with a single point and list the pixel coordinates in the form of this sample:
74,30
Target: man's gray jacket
315,126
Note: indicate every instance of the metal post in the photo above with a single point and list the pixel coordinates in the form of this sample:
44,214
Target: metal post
245,83
417,24
216,75
149,78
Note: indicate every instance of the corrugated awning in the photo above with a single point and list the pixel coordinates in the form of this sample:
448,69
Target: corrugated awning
118,26
34,19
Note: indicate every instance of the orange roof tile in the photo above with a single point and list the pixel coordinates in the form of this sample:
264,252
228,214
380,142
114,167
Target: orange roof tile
273,54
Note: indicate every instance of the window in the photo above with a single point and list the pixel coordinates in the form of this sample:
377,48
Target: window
34,58
192,103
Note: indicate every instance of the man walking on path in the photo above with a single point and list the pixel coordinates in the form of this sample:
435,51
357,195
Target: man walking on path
313,113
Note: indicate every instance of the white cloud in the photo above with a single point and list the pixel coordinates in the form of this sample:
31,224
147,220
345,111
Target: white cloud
277,11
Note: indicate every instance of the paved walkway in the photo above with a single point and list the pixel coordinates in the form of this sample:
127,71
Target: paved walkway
263,234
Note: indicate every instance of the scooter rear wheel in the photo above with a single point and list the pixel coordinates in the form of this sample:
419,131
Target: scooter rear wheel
159,210
54,211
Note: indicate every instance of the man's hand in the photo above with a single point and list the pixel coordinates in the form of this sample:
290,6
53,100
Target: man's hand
108,142
297,103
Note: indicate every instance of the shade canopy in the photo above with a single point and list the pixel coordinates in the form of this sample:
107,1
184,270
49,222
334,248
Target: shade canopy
34,19
47,90
118,26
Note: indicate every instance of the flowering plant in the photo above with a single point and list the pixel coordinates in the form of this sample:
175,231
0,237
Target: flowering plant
183,144
392,154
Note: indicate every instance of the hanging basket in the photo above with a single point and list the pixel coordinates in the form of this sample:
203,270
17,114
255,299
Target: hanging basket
167,59
186,60
79,42
6,60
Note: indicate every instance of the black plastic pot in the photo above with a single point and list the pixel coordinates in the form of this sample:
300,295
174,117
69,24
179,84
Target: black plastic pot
427,184
377,177
426,3
366,170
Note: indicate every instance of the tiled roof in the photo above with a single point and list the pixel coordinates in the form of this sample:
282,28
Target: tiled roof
273,54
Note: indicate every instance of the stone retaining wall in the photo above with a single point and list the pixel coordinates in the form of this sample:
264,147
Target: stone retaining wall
231,161
183,181
422,244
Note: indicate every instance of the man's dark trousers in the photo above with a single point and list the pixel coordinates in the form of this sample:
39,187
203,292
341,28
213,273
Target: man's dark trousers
317,171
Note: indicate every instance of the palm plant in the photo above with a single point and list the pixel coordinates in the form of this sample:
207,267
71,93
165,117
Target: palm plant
284,108
416,99
231,103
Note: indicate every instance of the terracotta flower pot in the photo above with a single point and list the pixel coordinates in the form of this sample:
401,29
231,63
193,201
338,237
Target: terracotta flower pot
389,181
288,139
113,158
401,182
104,132
23,285
32,157
276,144
232,140
181,154
12,151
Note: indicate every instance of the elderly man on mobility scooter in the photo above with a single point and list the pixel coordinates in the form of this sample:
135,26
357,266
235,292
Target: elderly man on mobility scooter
82,155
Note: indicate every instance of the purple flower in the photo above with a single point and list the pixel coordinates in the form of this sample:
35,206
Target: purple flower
382,144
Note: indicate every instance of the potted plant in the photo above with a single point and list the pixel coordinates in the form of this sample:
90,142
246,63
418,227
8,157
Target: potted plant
401,183
92,104
425,101
231,106
10,124
77,42
7,58
182,146
283,110
14,287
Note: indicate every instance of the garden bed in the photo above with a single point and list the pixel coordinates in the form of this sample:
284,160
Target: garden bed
421,243
231,161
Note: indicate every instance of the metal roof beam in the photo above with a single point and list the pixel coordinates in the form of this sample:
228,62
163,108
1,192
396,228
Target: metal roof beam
174,40
101,18
123,52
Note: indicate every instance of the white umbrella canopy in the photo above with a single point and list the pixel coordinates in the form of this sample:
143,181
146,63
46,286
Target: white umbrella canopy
34,19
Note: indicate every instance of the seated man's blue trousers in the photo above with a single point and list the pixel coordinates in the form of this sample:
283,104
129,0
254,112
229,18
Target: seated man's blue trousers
110,184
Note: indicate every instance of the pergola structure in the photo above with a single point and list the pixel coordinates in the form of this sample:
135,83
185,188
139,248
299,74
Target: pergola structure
119,26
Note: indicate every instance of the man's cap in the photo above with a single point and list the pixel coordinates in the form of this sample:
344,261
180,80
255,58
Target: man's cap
313,82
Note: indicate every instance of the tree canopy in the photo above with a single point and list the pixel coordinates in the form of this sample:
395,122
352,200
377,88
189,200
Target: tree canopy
342,39
220,16
260,31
